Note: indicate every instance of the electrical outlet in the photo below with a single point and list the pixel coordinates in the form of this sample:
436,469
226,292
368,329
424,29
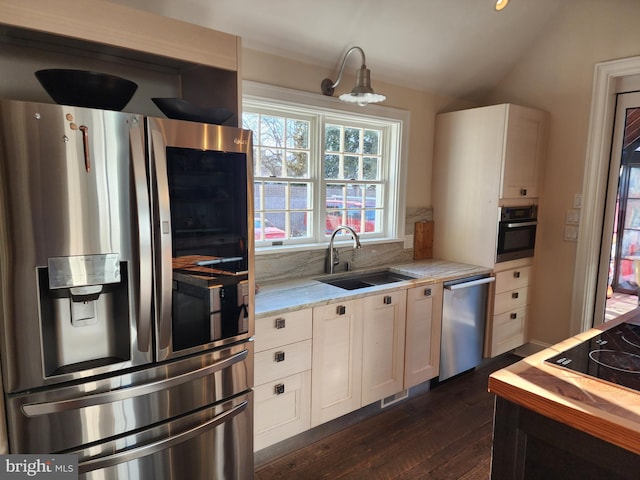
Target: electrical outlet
408,241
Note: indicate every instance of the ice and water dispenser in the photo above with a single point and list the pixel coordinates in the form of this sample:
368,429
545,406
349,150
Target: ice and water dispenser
84,312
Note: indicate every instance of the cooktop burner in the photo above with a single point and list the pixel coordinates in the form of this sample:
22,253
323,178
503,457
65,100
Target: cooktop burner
612,356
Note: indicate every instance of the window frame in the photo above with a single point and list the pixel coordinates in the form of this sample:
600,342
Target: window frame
267,98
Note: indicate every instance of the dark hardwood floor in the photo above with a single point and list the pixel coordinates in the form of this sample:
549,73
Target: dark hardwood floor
444,433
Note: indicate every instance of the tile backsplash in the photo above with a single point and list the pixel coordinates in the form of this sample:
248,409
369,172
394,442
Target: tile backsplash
286,265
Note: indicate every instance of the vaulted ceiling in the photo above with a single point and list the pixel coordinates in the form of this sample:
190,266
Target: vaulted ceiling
461,48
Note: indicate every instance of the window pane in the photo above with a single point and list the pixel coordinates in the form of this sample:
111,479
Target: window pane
331,166
297,164
373,196
270,162
332,136
352,140
275,196
301,224
350,170
257,195
271,131
300,198
297,133
371,142
370,168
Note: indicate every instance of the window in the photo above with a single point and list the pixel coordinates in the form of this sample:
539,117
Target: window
316,168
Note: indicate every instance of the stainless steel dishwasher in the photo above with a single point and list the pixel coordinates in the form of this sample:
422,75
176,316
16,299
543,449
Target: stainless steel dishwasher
464,312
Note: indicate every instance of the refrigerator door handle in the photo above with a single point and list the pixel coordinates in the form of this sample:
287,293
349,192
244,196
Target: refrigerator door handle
46,408
472,283
162,236
145,450
144,286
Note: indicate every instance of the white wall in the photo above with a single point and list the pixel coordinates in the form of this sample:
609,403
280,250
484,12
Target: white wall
556,76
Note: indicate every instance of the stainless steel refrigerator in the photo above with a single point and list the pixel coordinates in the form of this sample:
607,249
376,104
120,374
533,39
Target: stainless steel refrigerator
126,292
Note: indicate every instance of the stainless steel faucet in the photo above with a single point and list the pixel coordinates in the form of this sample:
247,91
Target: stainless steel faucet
333,252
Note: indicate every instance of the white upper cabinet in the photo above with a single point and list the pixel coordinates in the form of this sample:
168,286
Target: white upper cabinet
524,149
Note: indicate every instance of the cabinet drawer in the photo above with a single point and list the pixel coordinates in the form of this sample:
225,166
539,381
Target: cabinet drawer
277,330
509,331
282,361
282,409
511,300
513,279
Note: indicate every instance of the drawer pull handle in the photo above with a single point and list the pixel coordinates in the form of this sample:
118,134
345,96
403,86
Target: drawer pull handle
523,192
279,356
341,310
516,274
515,295
427,292
387,299
280,323
279,389
513,316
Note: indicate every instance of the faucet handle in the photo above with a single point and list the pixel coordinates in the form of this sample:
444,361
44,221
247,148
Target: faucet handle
336,256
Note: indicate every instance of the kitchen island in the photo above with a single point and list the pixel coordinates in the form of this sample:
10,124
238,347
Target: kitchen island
551,422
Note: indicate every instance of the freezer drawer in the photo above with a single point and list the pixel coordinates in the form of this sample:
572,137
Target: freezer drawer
213,444
65,418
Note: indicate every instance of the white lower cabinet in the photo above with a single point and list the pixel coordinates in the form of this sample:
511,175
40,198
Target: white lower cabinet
383,339
315,365
423,331
336,374
358,354
508,329
282,372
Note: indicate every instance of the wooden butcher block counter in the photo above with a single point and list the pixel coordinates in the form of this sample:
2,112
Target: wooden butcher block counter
551,422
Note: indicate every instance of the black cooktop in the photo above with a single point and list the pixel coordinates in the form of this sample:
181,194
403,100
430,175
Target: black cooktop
612,356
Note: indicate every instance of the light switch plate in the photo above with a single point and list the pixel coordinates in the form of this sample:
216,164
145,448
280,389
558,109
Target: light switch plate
571,233
573,217
577,200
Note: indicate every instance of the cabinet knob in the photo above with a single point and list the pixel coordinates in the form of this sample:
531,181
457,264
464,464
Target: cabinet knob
427,292
387,299
515,295
523,192
280,323
516,274
279,356
341,310
513,316
279,389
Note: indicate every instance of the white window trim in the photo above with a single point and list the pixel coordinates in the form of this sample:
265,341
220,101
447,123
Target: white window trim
258,92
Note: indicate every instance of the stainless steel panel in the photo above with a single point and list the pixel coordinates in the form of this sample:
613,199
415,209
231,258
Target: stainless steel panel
68,417
212,444
55,202
163,133
464,312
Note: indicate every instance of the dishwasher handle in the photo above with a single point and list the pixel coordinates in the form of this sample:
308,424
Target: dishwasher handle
472,283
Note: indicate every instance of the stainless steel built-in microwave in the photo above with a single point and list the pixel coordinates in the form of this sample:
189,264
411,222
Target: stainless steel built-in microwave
516,232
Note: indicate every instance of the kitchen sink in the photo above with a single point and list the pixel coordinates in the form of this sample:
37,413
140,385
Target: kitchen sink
363,280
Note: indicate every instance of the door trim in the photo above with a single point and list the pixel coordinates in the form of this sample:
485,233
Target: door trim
607,76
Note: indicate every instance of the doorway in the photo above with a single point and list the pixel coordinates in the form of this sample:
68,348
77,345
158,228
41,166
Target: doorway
623,215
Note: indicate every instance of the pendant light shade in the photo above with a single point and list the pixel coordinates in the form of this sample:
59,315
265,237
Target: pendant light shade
362,93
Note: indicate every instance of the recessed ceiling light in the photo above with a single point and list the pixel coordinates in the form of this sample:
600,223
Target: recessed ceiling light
500,4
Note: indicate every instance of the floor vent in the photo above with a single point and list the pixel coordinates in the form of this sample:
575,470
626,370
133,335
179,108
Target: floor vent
390,400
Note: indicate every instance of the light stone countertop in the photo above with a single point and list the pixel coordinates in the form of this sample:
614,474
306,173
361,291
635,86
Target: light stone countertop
287,296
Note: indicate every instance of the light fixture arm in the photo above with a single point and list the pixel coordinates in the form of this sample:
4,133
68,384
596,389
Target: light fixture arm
328,86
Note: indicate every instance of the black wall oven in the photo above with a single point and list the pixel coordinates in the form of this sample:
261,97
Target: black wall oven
516,232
